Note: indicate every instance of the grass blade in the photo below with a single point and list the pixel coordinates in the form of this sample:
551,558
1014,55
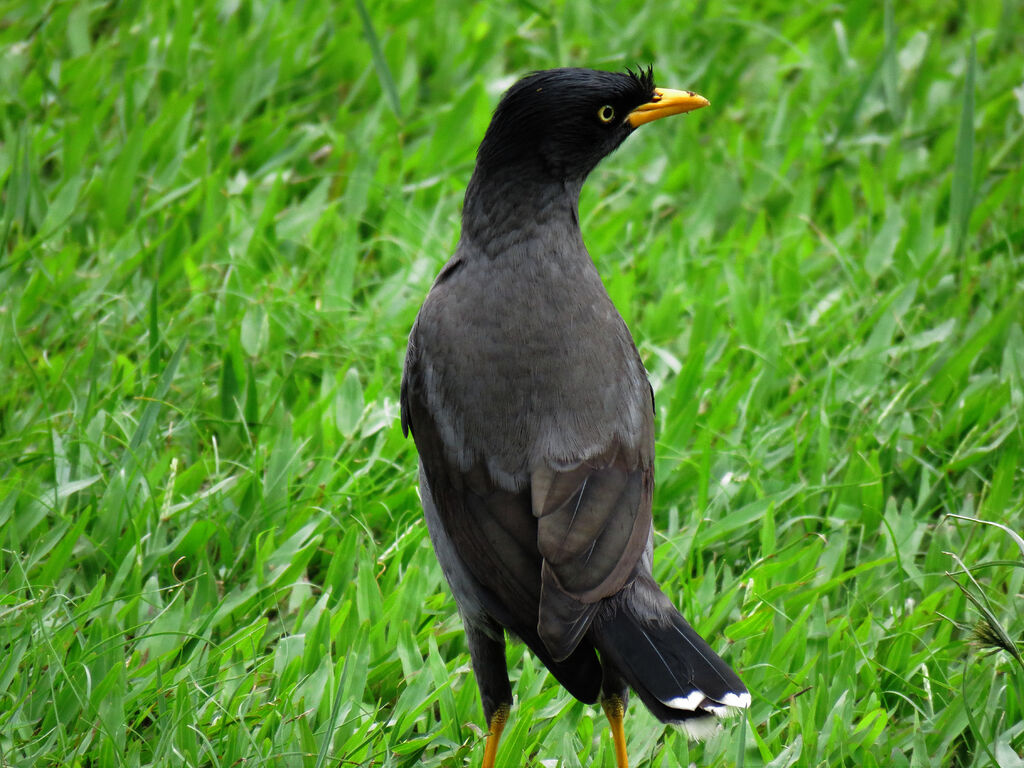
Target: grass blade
961,199
379,61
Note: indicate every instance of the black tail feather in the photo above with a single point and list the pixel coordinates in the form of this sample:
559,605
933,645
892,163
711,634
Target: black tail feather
672,669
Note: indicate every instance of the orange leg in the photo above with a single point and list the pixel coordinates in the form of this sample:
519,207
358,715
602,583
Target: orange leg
495,727
615,711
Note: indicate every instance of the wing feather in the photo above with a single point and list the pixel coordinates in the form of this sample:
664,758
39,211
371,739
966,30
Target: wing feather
550,552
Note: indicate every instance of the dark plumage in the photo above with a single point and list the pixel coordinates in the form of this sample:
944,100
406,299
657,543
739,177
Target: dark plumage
534,422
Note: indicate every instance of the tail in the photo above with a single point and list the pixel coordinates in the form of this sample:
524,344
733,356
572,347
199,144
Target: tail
673,671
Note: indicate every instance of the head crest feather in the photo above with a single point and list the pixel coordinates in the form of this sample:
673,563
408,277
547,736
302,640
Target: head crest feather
643,77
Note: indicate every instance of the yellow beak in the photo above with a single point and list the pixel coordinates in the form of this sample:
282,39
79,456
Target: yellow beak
666,101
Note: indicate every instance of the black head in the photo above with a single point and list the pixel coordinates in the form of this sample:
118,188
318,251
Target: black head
562,122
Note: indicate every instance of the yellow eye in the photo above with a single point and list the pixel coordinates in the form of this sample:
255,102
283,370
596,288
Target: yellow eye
606,113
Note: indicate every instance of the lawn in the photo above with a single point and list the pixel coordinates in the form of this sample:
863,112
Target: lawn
217,222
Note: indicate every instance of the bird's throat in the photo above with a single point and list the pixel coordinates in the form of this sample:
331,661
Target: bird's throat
507,210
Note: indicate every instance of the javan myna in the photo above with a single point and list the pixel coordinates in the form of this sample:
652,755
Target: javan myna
534,421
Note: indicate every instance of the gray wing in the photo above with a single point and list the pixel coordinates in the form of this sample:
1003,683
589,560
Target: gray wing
548,553
593,523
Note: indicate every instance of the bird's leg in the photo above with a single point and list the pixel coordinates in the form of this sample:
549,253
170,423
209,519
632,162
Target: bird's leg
486,643
614,697
495,725
615,709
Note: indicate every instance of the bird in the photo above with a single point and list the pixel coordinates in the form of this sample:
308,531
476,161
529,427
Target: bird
533,418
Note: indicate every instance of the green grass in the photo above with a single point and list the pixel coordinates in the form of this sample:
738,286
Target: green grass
218,220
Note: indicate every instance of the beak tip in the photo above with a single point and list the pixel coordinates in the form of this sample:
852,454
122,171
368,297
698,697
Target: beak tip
665,102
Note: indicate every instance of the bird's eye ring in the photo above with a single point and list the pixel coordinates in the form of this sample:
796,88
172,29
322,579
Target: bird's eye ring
606,113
